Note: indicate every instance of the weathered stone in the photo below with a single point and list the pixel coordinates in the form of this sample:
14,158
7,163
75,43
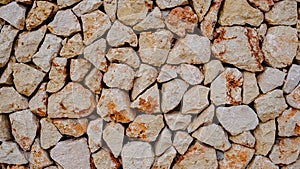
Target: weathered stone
86,6
182,141
94,24
201,8
11,100
119,34
263,5
48,50
114,105
237,119
292,79
38,103
240,13
144,77
163,4
124,55
57,75
153,20
211,70
164,142
17,167
65,23
39,13
5,1
6,77
137,154
195,100
286,151
262,31
145,127
261,162
191,74
293,165
226,88
72,47
73,101
186,50
117,74
165,160
94,132
198,156
205,118
248,56
172,93
280,46
71,127
289,123
166,73
78,69
14,14
283,13
213,135
110,8
66,3
113,135
131,12
27,44
7,36
49,134
25,2
293,99
265,137
250,88
38,157
72,154
5,128
245,139
177,121
104,159
24,136
148,102
270,105
93,81
236,157
95,53
270,78
11,154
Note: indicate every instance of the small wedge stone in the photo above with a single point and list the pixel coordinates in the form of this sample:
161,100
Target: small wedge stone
11,100
164,142
94,132
265,137
293,98
244,139
95,53
182,141
195,100
211,70
71,127
110,8
38,103
6,77
11,154
78,69
57,75
282,13
263,5
262,162
201,8
104,159
205,118
93,81
166,73
38,157
153,20
15,18
5,128
72,47
49,134
86,6
250,88
289,123
177,121
292,79
119,34
7,36
270,78
165,160
124,55
113,135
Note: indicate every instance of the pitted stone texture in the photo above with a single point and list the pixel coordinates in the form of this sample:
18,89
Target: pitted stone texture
38,103
14,14
113,135
163,4
211,70
293,165
7,36
289,123
94,132
177,120
280,46
265,137
93,81
153,20
292,79
166,73
86,6
72,47
201,8
78,69
164,142
182,141
270,78
110,8
5,128
57,75
6,76
11,154
11,100
69,102
293,99
195,100
95,53
124,55
248,56
165,160
38,157
261,162
263,5
104,159
282,13
244,139
191,74
205,118
250,88
119,34
49,134
71,127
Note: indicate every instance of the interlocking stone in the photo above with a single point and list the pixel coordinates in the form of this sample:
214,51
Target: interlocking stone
93,81
167,72
282,13
205,118
6,77
57,75
293,98
104,159
71,127
49,134
95,53
265,137
11,100
66,3
124,55
165,160
195,100
94,132
293,165
113,135
163,4
153,20
263,5
270,78
289,123
11,154
211,70
38,157
201,8
182,141
38,103
7,36
86,6
72,47
110,8
177,120
245,139
164,142
262,162
15,18
292,79
250,88
191,74
78,69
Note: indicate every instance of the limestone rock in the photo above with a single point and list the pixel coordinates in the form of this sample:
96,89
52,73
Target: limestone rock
289,123
71,127
49,134
164,142
270,78
66,3
265,137
124,55
95,53
191,74
6,77
69,102
248,56
280,46
167,72
292,79
263,5
181,141
27,44
293,165
195,100
104,159
177,121
38,157
38,103
244,139
24,136
94,132
270,105
65,23
250,88
262,162
94,24
93,81
201,8
86,6
57,75
5,1
153,20
240,13
205,118
186,50
282,13
5,128
78,69
7,36
211,70
293,98
11,100
163,4
165,160
72,154
213,135
11,154
15,18
72,47
119,34
145,127
110,8
113,135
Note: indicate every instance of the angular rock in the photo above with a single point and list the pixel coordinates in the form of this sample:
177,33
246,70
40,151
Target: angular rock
227,87
154,47
24,136
213,135
270,105
195,100
262,162
57,75
289,123
6,77
280,46
163,4
124,55
144,77
73,101
93,81
110,8
186,50
11,154
14,14
137,154
72,47
7,36
172,93
270,78
86,6
247,57
117,74
38,157
153,20
104,159
94,132
66,3
11,100
65,23
263,5
164,142
293,165
292,79
95,53
78,69
250,88
201,8
28,43
191,74
240,13
94,24
181,141
49,134
265,137
236,157
262,30
205,118
119,34
293,98
167,72
114,105
165,160
177,121
113,135
282,13
5,128
71,127
38,103
72,154
48,50
145,127
39,13
211,70
244,139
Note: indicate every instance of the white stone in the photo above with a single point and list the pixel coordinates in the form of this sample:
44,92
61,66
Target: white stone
191,74
38,157
292,79
72,47
165,160
110,8
282,13
57,75
104,159
250,88
78,69
119,34
177,120
7,36
153,20
211,70
270,78
49,134
166,73
14,14
164,142
113,135
195,100
293,98
11,100
95,53
38,103
86,6
262,162
289,123
66,3
124,55
182,141
265,137
245,139
204,118
94,132
93,81
11,154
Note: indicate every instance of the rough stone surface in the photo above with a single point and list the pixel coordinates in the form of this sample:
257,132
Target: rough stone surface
110,8
165,160
163,4
7,36
113,135
38,157
282,13
293,165
289,123
6,77
57,75
124,55
93,81
38,103
201,8
164,142
86,6
78,69
94,132
177,120
263,5
15,18
205,118
66,3
72,47
5,128
11,154
119,34
11,100
104,159
262,162
95,53
181,141
293,99
195,100
211,70
250,88
292,79
49,135
71,127
265,137
190,74
244,139
167,72
153,20
270,78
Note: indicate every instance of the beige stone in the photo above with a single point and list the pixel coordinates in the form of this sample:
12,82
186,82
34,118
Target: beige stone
7,36
177,121
211,70
11,154
66,3
261,162
166,73
244,139
292,79
110,8
153,20
38,158
104,159
94,132
263,5
201,8
163,4
49,134
289,123
250,88
119,34
270,78
262,31
72,47
78,69
182,141
38,103
265,137
95,53
93,81
15,18
11,100
57,75
6,77
293,165
195,100
165,160
5,1
124,55
282,13
204,118
293,98
191,74
86,6
71,127
5,134
113,135
164,142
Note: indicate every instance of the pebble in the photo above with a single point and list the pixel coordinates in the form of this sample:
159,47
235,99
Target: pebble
72,47
110,8
292,79
78,69
164,142
153,20
5,134
177,120
250,88
11,154
204,118
191,74
182,141
270,79
293,98
166,159
124,55
7,36
95,53
211,70
163,4
167,72
94,132
86,6
262,162
49,134
120,34
38,158
195,100
15,18
265,137
11,100
289,123
244,139
282,13
104,159
201,8
71,127
38,103
57,75
113,135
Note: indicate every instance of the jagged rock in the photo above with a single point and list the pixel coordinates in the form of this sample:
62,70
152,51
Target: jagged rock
104,159
72,47
110,8
38,157
93,81
262,162
245,139
14,14
211,70
49,134
95,53
11,100
6,77
263,5
78,69
201,8
292,79
11,154
250,88
270,78
165,160
177,120
265,137
167,72
205,118
289,123
86,6
182,141
38,103
164,142
5,134
57,75
94,132
7,36
282,13
191,74
195,100
71,127
119,34
293,98
113,135
163,4
153,20
66,3
124,55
